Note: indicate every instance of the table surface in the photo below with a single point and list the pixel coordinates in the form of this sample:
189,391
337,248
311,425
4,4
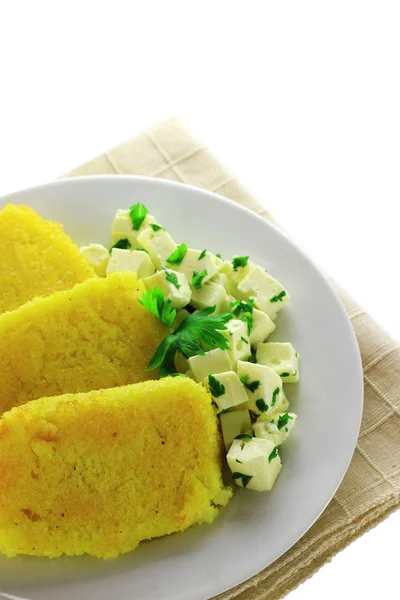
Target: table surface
300,100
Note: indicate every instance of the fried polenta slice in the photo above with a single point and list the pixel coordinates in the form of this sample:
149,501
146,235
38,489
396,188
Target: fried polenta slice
97,473
94,336
37,258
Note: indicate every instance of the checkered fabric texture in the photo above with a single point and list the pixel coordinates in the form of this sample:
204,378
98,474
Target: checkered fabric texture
370,490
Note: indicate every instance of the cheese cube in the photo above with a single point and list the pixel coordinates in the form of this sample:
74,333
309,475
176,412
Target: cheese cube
232,277
159,245
179,296
263,325
267,292
239,341
281,358
277,429
227,391
234,423
255,464
210,294
219,278
282,408
181,315
98,256
263,387
192,262
136,261
212,362
122,227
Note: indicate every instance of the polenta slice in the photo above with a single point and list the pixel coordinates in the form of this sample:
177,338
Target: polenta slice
97,473
37,258
94,336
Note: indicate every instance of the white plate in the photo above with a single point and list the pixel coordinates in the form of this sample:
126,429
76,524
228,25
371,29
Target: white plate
255,529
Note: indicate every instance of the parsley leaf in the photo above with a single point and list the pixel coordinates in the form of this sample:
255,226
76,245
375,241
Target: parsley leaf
217,389
219,256
275,394
279,297
273,454
283,420
244,436
156,227
285,374
252,386
262,407
155,302
137,213
245,478
244,340
244,378
177,257
252,359
239,261
202,255
172,278
123,244
242,306
239,461
197,279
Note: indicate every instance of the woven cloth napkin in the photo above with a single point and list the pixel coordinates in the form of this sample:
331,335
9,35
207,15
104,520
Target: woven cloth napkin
370,490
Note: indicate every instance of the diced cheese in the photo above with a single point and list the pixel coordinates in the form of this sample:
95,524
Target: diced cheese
193,263
233,392
181,315
98,256
234,423
239,341
267,395
136,261
277,429
122,227
212,362
210,294
263,325
282,408
267,292
179,296
232,277
219,278
281,358
255,464
159,245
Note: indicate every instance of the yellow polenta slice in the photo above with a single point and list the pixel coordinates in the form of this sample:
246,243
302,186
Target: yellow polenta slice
94,336
37,258
99,472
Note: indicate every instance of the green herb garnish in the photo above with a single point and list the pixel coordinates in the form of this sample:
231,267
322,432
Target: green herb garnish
283,420
242,306
197,279
252,359
279,297
245,478
123,244
156,227
137,213
262,407
214,404
285,374
219,256
172,278
244,437
275,395
202,254
239,461
217,389
178,255
273,454
155,302
141,250
239,261
248,319
252,386
244,340
244,378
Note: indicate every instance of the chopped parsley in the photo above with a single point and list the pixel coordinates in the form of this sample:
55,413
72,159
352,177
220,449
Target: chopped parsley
262,407
214,404
202,254
141,250
217,388
178,255
245,437
245,478
273,454
137,213
275,395
244,339
244,378
252,386
172,278
155,302
197,279
156,227
285,374
248,319
242,306
239,261
123,244
283,420
219,256
279,297
239,461
252,359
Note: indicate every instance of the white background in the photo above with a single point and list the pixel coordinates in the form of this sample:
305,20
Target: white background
300,99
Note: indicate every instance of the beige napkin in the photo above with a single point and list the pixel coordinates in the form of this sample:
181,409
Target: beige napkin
370,489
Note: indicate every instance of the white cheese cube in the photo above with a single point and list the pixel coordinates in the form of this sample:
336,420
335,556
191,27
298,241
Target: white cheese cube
255,464
98,256
159,245
193,263
276,429
234,423
267,292
239,341
234,277
263,387
227,391
181,315
136,261
212,362
219,278
282,408
281,358
210,294
179,296
263,325
122,227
